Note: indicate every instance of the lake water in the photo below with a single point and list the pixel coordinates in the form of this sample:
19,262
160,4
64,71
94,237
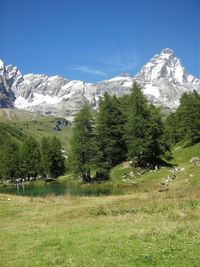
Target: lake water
69,188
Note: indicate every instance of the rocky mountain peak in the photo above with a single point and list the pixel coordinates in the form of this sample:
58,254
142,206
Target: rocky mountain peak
163,80
1,64
7,96
163,65
167,51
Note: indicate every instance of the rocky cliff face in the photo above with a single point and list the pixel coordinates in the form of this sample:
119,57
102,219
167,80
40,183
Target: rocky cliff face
7,96
163,80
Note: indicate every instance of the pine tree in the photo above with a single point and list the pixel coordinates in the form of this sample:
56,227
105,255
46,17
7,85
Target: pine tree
9,163
158,144
188,117
45,156
30,158
171,129
109,131
138,128
82,144
55,160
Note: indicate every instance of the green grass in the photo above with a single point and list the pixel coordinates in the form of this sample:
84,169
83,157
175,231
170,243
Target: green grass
189,176
183,154
141,229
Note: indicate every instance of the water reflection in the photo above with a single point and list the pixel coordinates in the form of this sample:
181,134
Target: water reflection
20,189
69,188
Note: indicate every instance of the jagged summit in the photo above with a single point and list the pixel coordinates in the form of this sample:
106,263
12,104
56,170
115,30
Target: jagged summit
167,51
163,65
1,64
163,80
7,96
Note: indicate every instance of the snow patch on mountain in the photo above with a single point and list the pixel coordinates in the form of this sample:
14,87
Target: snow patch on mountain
163,80
1,64
151,90
37,99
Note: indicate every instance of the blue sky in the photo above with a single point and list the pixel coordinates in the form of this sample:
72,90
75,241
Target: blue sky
93,40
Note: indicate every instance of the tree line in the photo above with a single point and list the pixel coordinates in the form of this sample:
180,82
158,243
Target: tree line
184,124
124,128
23,157
129,128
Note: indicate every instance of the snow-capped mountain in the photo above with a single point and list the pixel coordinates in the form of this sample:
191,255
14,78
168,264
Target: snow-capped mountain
163,80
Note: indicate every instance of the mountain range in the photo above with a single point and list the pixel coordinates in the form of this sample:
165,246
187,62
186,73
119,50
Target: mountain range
163,80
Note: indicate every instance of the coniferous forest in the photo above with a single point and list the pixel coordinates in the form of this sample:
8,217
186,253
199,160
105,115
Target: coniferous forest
124,128
24,157
129,128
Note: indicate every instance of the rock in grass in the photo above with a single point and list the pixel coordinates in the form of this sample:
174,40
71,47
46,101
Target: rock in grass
195,160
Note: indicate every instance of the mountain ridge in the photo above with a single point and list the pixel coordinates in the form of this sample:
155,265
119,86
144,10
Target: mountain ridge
163,80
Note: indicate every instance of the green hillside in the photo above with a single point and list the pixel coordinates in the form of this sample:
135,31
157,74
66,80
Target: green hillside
188,176
8,131
36,125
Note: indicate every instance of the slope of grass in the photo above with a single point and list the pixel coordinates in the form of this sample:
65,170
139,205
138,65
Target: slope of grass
35,125
8,131
183,154
148,181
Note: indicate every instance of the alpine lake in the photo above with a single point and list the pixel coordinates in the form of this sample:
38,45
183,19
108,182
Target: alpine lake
72,188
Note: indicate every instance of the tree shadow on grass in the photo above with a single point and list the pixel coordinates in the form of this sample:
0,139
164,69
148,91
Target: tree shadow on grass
164,163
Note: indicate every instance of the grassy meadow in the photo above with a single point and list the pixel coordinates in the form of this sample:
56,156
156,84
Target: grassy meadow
141,228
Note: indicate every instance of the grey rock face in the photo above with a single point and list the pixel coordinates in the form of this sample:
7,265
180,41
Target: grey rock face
163,80
7,96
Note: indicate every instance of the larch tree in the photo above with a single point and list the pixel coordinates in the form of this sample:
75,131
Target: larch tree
109,131
138,128
82,144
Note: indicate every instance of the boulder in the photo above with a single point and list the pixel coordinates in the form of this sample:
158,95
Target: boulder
195,161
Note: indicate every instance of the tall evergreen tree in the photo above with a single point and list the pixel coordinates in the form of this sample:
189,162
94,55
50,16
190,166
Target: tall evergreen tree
188,117
30,158
9,159
56,160
138,128
171,129
82,144
45,156
52,159
158,143
110,141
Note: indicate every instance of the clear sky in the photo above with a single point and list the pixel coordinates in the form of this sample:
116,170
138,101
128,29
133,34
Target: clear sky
94,40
